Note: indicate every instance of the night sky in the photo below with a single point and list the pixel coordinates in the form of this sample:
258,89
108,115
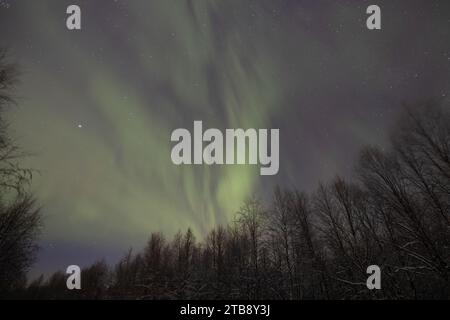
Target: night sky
96,107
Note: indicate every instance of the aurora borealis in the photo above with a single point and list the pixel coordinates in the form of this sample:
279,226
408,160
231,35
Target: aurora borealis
96,107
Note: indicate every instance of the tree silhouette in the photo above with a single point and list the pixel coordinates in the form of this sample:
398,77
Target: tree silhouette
19,217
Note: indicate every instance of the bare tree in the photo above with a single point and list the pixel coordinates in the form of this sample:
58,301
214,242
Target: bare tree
19,217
